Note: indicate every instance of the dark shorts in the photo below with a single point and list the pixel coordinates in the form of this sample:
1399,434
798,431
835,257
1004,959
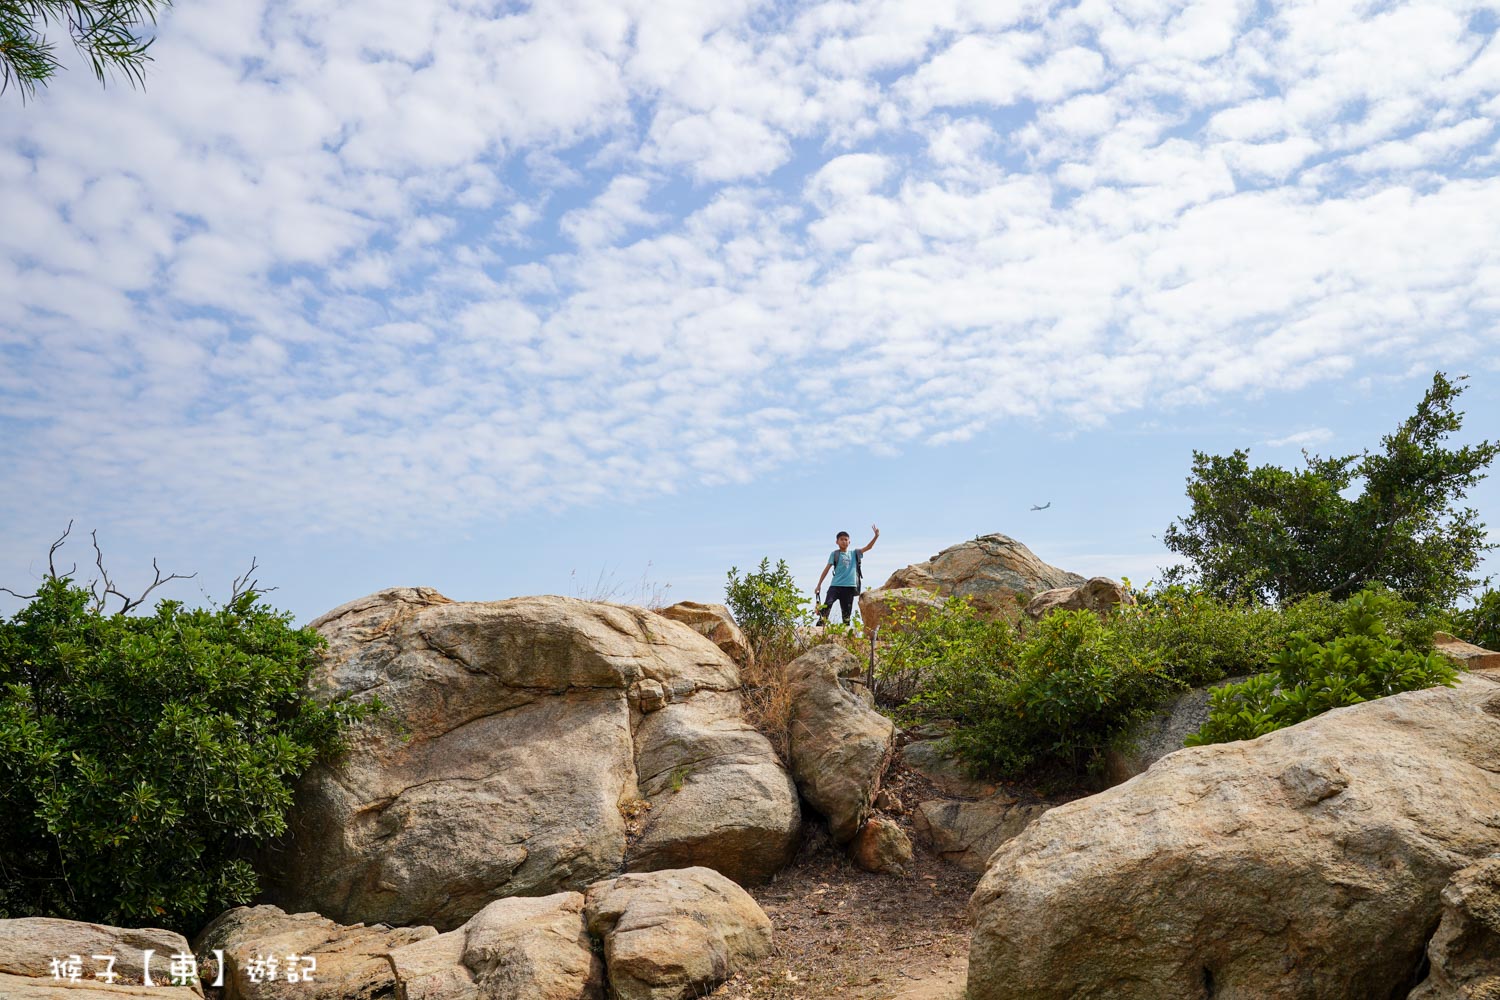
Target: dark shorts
845,596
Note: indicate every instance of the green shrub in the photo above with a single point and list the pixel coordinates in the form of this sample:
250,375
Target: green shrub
935,661
767,606
1480,624
1056,693
141,757
1061,690
1365,661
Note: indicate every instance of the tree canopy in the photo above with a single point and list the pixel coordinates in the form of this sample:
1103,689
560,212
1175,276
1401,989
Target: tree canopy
1391,516
108,33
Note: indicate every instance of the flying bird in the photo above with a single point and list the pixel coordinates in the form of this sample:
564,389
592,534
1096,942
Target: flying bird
1043,506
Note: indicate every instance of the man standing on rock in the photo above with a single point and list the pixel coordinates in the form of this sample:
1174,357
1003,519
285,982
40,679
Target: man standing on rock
848,573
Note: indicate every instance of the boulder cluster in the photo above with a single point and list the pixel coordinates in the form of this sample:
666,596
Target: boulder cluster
564,801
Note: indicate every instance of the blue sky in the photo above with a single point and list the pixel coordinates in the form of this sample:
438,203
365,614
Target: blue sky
512,299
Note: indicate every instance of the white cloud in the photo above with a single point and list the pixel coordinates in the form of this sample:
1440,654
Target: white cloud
614,212
390,265
1301,439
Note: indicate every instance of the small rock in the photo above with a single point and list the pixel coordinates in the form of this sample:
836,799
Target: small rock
670,935
1100,595
881,847
717,625
887,801
1465,654
522,948
967,833
28,945
351,959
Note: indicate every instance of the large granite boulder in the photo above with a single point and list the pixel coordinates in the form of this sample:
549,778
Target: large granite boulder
1098,594
518,731
889,607
670,935
717,625
839,747
521,948
1464,954
1307,863
350,961
991,571
30,945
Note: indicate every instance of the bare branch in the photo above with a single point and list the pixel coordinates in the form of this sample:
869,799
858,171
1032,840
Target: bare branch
130,603
101,588
52,566
245,584
24,597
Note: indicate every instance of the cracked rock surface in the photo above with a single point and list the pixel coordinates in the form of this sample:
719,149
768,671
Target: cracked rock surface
1308,863
518,732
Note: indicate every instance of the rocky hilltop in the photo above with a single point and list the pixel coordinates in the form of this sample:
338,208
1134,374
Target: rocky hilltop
565,801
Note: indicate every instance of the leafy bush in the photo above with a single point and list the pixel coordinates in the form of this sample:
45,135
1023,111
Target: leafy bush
1480,624
1057,691
1075,684
1061,690
140,757
939,659
1307,678
767,606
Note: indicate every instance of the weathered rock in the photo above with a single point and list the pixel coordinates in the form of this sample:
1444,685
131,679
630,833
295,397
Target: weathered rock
881,846
968,833
839,747
717,625
675,934
1307,863
1465,654
1099,594
516,733
28,946
888,801
1464,954
880,608
521,948
1160,734
350,960
947,772
990,571
719,795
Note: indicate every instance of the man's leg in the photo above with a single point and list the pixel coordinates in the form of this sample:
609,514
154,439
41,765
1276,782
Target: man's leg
823,611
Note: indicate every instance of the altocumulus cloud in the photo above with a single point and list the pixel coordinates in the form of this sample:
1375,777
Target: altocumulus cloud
385,262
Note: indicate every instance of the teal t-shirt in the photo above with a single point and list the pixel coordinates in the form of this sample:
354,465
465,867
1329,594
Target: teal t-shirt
844,572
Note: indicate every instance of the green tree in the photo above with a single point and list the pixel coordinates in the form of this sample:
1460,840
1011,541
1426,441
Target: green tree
108,33
142,757
1278,534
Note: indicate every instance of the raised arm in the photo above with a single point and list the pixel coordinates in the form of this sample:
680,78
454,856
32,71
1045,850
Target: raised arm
872,541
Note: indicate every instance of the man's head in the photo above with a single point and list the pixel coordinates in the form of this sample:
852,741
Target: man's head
843,539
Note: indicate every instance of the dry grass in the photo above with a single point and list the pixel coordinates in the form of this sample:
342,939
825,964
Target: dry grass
767,697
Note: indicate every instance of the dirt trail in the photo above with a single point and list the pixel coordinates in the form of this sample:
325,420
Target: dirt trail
842,932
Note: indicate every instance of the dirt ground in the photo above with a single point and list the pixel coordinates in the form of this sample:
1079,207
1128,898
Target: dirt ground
846,933
843,932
